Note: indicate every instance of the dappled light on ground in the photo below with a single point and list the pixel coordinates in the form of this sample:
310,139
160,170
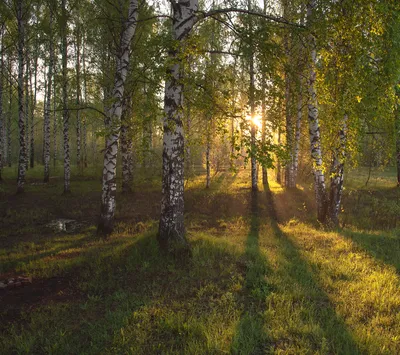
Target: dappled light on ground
263,278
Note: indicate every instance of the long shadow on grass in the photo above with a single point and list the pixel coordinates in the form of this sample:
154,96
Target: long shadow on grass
383,246
250,336
313,302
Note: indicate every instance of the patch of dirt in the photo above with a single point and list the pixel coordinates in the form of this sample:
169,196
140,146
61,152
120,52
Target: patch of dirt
29,296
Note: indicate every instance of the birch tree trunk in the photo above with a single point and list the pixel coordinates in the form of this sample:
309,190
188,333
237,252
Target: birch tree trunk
314,128
67,159
397,128
9,116
48,103
278,163
2,120
21,116
27,75
264,128
208,164
253,127
85,100
171,234
337,174
297,134
113,124
32,112
55,126
78,98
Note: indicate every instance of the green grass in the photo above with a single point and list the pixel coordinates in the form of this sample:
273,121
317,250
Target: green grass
256,284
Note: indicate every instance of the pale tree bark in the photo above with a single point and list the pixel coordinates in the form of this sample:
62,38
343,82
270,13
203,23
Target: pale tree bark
278,163
21,115
32,111
113,124
337,174
27,95
48,103
171,234
314,128
9,114
85,100
253,127
397,128
64,54
297,133
78,97
2,120
55,126
208,163
264,127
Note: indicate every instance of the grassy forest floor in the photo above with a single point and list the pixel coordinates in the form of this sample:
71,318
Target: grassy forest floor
264,277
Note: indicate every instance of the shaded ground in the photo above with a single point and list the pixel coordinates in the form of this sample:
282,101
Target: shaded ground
264,278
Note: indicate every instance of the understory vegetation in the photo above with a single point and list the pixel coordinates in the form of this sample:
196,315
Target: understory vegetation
264,276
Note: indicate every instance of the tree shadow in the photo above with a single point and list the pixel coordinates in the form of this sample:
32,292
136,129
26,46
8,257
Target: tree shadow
250,336
298,276
382,246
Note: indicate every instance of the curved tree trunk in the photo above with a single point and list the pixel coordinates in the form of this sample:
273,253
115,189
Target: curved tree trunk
171,234
314,128
47,107
21,115
113,123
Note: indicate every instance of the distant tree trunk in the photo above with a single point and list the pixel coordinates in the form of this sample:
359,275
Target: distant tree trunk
78,97
2,120
33,108
113,123
85,99
253,127
337,174
48,103
289,169
171,234
27,75
126,149
188,158
67,160
208,164
314,128
55,128
397,129
278,163
9,116
21,116
297,135
264,129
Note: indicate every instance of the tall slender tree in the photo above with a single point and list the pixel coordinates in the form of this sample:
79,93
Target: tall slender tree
113,122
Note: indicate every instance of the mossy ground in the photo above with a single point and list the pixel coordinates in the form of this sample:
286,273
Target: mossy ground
263,278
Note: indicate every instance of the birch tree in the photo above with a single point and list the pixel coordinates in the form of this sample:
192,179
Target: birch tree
113,123
171,234
20,8
48,98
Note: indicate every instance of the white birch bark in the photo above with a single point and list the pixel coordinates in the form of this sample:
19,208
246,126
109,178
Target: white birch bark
314,128
64,55
2,118
27,75
47,104
264,129
297,134
32,111
113,124
78,98
9,115
21,115
171,234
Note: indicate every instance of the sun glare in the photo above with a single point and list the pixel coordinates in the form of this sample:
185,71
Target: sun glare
255,120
